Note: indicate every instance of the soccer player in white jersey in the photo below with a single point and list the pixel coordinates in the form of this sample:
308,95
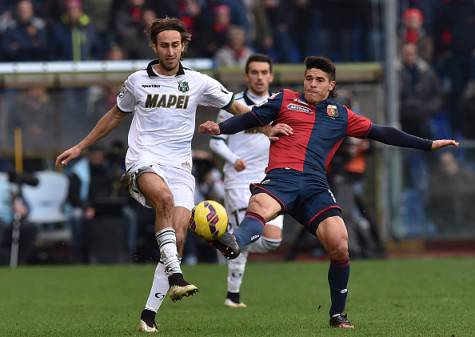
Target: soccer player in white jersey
246,155
163,99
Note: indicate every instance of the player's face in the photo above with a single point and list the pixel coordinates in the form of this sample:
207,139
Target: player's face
168,47
259,77
317,85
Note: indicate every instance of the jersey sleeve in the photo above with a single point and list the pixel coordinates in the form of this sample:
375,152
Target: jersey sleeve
358,126
222,116
126,97
269,110
215,94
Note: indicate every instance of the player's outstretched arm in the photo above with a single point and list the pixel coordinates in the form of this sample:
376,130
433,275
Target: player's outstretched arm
232,125
441,143
106,124
392,136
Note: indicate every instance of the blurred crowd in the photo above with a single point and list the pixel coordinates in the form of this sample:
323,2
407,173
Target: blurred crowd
344,30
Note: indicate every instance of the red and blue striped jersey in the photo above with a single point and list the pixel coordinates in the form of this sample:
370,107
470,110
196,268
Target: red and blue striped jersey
318,131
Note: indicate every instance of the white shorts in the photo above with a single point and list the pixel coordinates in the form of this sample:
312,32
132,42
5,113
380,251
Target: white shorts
236,201
179,180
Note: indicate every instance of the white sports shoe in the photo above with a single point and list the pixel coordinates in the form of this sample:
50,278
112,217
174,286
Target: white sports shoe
231,304
144,327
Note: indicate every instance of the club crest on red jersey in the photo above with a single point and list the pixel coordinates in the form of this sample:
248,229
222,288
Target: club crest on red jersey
332,111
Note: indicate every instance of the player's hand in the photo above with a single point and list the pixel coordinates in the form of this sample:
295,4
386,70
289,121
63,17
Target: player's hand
280,129
441,143
64,158
210,128
239,165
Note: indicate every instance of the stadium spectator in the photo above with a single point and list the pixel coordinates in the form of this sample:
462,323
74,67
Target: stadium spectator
260,33
296,181
451,195
280,15
165,8
97,201
455,48
413,32
25,38
189,12
214,22
35,114
342,39
419,91
75,38
468,111
131,23
235,52
99,11
102,98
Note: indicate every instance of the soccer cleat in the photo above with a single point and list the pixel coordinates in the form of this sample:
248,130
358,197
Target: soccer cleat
230,303
146,327
227,245
340,321
180,288
147,321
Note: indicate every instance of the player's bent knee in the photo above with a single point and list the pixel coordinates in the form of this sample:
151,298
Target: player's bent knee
264,205
339,251
162,200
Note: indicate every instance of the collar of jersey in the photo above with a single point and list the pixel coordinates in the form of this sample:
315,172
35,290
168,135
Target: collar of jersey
248,100
152,73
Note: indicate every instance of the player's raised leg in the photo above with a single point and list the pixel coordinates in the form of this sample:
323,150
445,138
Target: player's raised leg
160,197
262,208
333,235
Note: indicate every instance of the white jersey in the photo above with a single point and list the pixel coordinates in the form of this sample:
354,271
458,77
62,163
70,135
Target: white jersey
248,145
164,110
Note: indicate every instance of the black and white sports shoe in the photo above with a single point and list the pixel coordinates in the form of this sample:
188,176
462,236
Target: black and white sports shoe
227,245
180,288
341,321
233,300
147,321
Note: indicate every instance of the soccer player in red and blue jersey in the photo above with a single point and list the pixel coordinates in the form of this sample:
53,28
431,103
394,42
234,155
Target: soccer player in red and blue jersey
312,127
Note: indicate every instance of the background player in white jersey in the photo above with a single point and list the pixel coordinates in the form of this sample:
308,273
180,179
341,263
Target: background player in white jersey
246,155
163,99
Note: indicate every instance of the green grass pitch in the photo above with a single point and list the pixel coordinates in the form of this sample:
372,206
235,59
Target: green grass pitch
428,297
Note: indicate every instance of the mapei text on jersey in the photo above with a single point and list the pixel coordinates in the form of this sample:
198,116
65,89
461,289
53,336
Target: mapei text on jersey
167,101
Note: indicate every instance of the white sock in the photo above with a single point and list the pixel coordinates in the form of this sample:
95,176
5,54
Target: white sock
166,240
236,268
159,289
263,245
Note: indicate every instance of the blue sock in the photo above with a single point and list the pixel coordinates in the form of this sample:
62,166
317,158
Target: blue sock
249,230
338,276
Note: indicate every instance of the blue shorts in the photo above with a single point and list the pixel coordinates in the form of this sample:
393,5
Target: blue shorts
307,199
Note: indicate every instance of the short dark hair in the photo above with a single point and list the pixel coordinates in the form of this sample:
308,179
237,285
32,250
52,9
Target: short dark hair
258,58
324,64
168,23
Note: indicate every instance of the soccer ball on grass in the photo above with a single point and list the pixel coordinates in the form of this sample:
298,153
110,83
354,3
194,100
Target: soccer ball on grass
209,220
